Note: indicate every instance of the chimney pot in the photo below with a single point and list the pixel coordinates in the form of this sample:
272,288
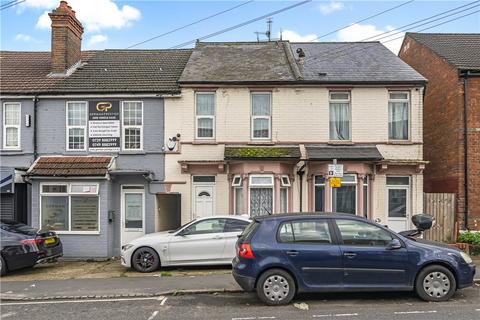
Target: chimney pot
67,34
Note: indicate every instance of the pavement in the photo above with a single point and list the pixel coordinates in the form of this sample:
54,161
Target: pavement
465,305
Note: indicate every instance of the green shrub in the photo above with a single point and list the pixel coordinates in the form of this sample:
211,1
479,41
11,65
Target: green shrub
469,237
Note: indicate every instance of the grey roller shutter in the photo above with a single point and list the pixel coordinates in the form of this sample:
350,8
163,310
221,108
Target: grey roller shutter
7,206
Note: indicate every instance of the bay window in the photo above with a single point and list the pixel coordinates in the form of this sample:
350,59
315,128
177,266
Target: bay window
76,125
205,115
398,105
261,115
132,125
340,115
11,125
344,199
70,207
261,195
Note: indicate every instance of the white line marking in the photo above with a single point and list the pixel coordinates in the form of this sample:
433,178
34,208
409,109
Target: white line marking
414,312
249,318
345,315
266,318
76,301
163,301
477,309
321,315
6,315
154,314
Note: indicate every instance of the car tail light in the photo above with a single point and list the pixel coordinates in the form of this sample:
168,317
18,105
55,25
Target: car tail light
31,241
245,251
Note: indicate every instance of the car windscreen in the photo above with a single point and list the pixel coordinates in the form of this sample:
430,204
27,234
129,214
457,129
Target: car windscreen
249,230
181,227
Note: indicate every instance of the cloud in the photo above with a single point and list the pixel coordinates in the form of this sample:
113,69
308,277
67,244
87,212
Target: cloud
95,15
327,8
295,37
358,32
96,39
26,38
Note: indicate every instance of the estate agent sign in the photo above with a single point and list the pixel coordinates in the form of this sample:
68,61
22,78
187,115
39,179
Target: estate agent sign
104,126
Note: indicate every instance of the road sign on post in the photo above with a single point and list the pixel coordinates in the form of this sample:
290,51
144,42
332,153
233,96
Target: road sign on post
335,170
335,182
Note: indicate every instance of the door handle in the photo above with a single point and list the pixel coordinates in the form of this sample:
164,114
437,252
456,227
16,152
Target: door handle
350,255
217,237
292,253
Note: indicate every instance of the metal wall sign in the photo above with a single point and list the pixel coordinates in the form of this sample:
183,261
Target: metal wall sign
104,126
335,170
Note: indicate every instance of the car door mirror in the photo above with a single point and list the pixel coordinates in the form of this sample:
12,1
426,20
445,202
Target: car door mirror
183,233
394,244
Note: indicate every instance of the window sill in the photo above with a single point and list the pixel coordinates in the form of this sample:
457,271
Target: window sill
261,142
404,142
11,150
77,232
341,142
132,152
201,141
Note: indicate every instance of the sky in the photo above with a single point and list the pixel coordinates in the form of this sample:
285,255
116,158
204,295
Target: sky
113,24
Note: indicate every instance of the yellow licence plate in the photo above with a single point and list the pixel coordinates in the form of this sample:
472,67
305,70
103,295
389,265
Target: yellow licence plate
49,240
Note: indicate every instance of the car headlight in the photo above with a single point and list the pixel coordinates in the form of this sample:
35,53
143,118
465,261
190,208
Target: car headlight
466,257
126,247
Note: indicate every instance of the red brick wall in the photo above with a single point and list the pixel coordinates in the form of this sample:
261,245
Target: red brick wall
443,129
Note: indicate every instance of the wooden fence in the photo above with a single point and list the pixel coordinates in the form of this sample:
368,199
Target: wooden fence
442,207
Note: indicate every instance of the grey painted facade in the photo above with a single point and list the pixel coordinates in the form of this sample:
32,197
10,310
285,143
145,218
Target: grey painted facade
51,140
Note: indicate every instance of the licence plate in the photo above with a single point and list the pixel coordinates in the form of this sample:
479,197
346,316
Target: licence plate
49,241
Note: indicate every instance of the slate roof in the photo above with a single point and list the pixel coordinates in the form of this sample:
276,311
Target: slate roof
225,62
70,166
350,62
462,50
109,71
261,153
343,153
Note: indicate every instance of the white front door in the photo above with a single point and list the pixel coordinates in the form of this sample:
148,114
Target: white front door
133,213
203,205
398,201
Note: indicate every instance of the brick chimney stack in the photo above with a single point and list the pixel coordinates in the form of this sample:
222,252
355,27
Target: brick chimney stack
66,38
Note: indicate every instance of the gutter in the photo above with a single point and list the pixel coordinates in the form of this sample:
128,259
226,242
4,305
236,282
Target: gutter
90,95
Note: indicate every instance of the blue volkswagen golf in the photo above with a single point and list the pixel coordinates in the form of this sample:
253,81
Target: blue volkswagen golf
281,255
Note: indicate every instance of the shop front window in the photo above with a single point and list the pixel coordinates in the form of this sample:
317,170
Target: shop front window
69,209
344,198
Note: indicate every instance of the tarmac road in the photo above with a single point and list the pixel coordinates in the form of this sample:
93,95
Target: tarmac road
465,305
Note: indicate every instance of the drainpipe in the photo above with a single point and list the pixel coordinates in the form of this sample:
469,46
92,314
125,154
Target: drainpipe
300,173
35,149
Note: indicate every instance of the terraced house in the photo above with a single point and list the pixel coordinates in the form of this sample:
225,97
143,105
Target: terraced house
82,138
257,124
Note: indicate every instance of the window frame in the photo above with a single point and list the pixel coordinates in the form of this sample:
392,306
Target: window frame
260,186
408,190
69,195
349,101
349,183
213,117
239,183
253,117
315,185
408,101
123,126
68,127
286,189
18,127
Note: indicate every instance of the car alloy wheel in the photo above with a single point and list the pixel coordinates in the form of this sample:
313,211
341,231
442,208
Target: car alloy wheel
145,260
436,284
276,288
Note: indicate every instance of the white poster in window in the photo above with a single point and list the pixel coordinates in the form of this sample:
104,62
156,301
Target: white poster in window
104,126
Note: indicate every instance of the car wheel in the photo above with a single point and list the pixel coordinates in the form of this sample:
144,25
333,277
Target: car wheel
276,287
145,259
435,283
3,266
